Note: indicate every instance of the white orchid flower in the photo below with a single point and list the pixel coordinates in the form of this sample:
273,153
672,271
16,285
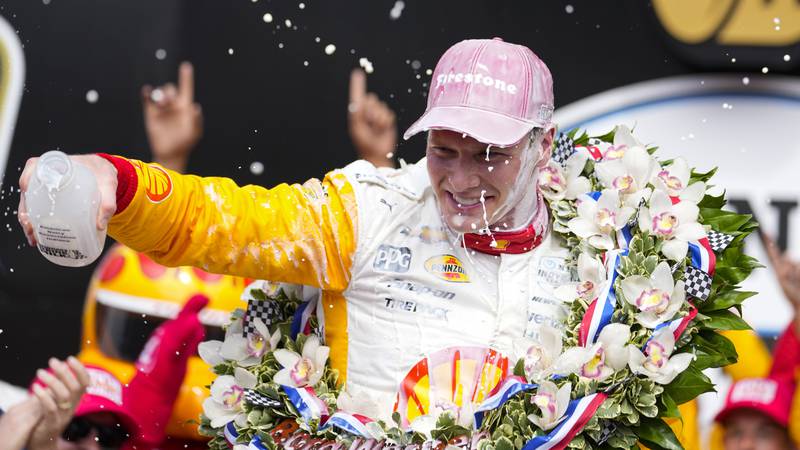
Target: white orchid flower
245,351
591,278
366,403
227,397
598,361
552,403
623,140
538,356
657,298
598,221
674,180
629,174
557,183
657,362
302,370
675,224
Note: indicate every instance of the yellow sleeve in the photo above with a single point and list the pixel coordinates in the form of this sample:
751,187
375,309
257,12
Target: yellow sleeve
754,357
301,234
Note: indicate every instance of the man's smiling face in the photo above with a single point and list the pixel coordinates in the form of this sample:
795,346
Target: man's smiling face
472,184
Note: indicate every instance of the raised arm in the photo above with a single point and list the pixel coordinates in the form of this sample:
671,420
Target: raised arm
299,234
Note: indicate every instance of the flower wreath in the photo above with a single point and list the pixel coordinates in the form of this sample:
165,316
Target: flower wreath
658,263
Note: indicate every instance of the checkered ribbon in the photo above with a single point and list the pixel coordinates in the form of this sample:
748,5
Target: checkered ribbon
698,283
256,398
268,311
607,432
719,241
565,147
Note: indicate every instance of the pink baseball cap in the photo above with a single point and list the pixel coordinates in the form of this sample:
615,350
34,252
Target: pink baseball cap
492,90
770,396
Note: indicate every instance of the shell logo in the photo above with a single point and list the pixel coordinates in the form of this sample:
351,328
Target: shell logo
454,378
156,181
501,244
448,268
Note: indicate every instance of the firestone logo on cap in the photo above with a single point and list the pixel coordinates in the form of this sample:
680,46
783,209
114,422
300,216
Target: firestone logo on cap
477,78
756,391
103,384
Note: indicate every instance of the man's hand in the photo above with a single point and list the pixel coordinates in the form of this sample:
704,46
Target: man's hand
65,384
788,274
371,123
18,422
174,122
104,172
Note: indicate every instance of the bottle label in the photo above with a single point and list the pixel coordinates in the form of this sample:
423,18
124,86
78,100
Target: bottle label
53,235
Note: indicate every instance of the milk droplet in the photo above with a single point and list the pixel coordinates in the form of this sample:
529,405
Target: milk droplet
230,51
764,69
267,18
161,54
397,10
256,167
302,6
288,23
329,49
746,81
92,96
787,58
570,9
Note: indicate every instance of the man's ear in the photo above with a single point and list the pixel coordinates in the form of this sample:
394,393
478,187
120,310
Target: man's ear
547,143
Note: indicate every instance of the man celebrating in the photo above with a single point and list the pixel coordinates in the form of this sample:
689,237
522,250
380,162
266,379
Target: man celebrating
451,251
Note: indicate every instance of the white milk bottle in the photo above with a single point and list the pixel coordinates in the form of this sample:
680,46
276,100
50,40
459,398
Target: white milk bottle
62,200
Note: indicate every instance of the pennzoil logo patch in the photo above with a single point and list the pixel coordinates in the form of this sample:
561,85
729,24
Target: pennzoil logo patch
155,180
448,268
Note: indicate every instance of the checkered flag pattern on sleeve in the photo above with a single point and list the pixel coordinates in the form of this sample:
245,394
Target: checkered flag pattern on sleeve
565,147
698,283
256,398
268,311
719,241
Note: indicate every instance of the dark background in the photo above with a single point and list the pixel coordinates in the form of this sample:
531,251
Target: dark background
261,103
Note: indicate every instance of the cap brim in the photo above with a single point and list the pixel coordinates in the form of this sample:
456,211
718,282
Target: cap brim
486,126
91,404
750,406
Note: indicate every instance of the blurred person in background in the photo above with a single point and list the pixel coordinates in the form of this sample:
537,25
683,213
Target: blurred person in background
37,422
135,415
756,414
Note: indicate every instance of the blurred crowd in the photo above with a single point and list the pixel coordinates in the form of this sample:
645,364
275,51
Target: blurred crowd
137,382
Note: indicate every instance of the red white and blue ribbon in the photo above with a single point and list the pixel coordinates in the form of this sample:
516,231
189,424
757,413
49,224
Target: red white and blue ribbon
308,405
599,313
302,316
352,423
230,433
256,444
577,416
703,257
678,326
510,387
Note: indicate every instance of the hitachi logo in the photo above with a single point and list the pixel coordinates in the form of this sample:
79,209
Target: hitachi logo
477,78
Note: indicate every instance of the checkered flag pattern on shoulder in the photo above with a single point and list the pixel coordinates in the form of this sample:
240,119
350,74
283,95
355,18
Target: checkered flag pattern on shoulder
256,398
719,241
267,310
565,147
698,283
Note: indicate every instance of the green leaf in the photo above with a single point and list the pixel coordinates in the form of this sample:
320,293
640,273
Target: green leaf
667,407
703,176
519,368
503,443
710,201
725,320
688,385
657,435
713,350
725,300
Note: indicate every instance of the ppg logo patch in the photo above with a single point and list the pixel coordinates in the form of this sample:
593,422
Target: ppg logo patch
392,259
